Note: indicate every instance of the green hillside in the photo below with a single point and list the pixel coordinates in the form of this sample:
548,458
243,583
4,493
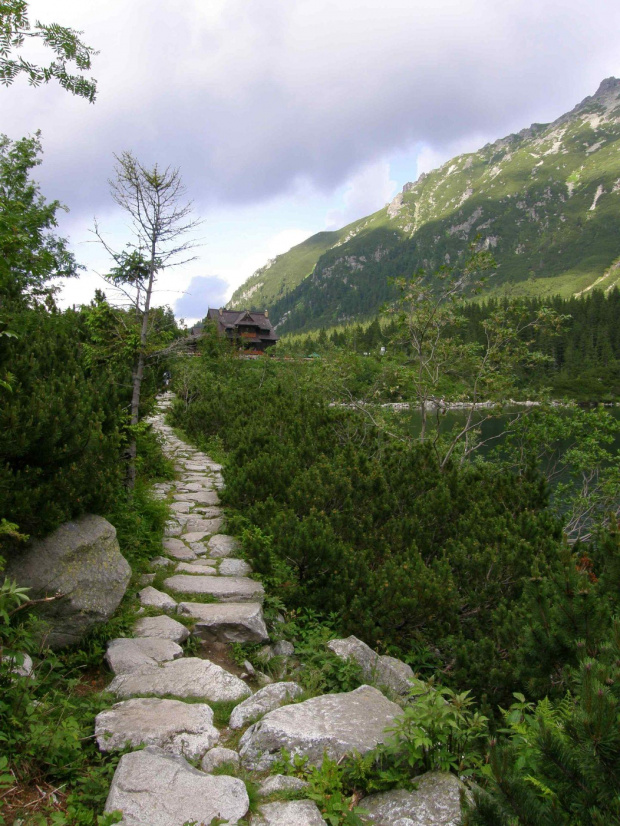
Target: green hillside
545,201
280,275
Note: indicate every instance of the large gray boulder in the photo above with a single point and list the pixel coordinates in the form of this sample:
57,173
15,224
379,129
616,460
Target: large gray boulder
435,802
290,813
81,560
152,788
176,727
266,699
389,672
227,622
190,678
334,723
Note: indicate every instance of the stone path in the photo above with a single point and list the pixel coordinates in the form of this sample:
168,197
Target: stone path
167,700
157,786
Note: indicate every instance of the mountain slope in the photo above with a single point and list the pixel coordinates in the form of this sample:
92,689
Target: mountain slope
546,201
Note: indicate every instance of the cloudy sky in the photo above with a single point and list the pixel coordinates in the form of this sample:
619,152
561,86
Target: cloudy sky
287,117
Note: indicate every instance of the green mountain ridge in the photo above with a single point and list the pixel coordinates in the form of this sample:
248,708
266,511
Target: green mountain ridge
545,201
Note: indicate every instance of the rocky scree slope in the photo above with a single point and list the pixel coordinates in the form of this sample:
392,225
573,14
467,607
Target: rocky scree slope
182,768
545,201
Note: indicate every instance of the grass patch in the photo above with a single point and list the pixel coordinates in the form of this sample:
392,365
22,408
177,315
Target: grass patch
222,711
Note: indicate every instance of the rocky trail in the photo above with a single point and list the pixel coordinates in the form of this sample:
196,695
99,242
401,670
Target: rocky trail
190,770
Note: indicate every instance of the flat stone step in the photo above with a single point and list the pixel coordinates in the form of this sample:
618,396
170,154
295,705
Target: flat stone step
173,528
190,568
221,545
227,622
126,654
234,567
152,598
178,549
192,537
152,788
181,507
207,526
172,725
162,627
189,677
195,487
225,588
204,497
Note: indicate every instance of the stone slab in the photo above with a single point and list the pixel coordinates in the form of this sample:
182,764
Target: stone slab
386,671
152,788
221,545
199,497
152,598
187,568
266,699
226,588
234,567
217,757
189,677
227,622
334,723
289,813
195,536
281,783
160,562
207,526
174,726
162,627
434,802
178,549
126,654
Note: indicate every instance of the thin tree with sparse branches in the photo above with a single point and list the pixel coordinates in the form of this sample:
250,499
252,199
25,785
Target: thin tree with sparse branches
160,219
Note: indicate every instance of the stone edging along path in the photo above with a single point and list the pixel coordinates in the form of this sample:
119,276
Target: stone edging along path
166,699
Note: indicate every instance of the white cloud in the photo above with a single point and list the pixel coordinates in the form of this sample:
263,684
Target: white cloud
241,269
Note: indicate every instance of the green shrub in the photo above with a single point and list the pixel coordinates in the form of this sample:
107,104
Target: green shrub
60,426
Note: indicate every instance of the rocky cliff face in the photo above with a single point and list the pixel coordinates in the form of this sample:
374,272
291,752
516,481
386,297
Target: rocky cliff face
546,201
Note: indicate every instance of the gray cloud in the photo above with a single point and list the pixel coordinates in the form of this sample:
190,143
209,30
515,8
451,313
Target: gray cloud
250,98
204,291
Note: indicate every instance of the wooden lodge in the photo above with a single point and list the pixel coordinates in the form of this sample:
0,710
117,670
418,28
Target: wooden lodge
250,330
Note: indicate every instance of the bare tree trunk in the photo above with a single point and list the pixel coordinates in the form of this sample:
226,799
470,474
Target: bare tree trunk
138,374
153,200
